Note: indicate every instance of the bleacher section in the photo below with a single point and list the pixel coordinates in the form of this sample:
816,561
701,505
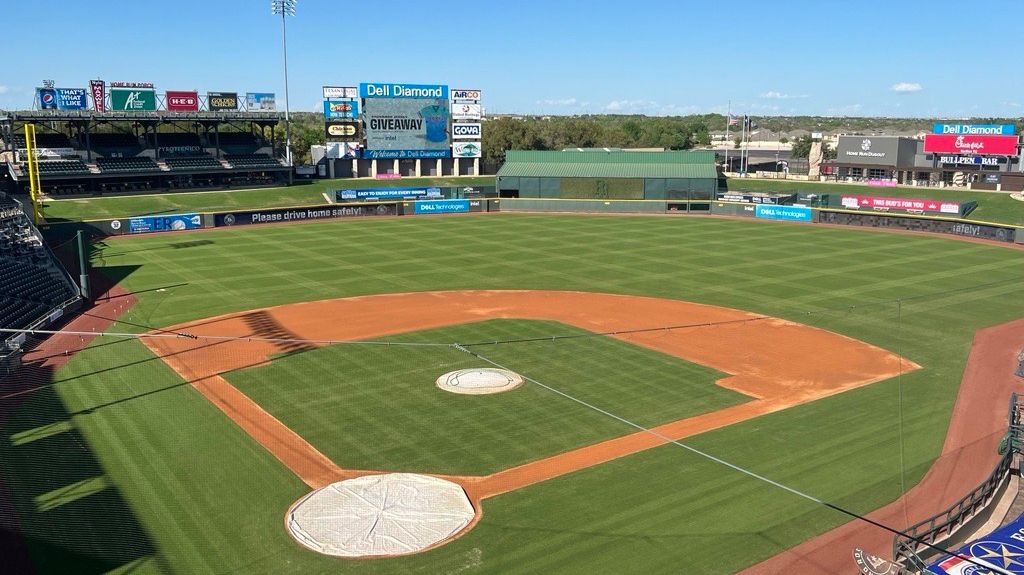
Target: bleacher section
64,167
129,165
192,163
44,140
254,161
32,285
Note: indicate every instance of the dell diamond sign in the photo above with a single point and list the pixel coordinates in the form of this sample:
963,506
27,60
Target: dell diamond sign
466,131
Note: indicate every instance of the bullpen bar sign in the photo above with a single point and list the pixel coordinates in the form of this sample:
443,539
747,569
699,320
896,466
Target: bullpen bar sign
182,101
983,145
908,204
220,101
976,129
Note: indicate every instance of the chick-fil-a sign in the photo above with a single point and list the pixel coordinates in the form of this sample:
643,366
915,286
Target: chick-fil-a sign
970,144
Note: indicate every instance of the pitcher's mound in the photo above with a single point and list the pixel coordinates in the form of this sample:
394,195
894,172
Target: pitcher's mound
479,381
380,515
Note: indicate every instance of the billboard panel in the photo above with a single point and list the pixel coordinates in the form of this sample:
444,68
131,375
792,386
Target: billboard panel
132,99
467,149
442,207
342,129
260,102
416,91
387,194
334,92
465,95
334,109
62,98
966,144
976,129
861,150
406,120
937,206
784,213
302,214
467,131
99,95
147,224
182,101
221,101
467,111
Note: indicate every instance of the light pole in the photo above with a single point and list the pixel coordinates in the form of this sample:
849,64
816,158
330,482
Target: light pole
286,8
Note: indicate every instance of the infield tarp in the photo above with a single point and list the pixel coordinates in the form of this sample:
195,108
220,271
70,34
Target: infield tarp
1003,548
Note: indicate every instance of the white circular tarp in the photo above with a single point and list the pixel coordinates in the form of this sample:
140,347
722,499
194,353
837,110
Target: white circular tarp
479,381
380,515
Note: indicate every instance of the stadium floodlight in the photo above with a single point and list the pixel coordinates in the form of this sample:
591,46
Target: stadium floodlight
285,8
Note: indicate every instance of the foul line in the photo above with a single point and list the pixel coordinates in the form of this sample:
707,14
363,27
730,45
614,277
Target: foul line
734,467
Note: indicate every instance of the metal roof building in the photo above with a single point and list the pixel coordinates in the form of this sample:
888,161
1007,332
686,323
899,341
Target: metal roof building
609,174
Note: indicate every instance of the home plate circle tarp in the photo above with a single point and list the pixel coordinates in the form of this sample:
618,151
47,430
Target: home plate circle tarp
380,515
478,381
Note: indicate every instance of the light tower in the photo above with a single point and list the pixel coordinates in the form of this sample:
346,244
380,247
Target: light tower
286,8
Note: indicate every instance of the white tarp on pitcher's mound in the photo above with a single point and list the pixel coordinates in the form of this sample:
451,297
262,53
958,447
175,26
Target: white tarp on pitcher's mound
380,515
480,380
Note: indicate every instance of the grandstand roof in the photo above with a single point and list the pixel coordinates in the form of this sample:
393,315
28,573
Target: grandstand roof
610,164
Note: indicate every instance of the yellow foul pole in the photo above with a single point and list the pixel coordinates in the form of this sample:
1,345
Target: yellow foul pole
34,186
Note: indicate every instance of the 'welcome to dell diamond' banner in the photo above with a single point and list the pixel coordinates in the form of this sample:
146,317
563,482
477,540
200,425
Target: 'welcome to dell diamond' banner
406,120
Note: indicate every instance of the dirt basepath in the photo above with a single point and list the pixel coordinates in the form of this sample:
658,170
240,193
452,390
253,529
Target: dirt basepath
777,363
968,457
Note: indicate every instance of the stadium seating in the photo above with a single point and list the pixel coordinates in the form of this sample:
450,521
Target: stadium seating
44,140
63,167
187,163
234,139
251,161
113,140
31,283
120,165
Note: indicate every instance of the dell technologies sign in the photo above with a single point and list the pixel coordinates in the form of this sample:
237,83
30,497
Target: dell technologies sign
468,131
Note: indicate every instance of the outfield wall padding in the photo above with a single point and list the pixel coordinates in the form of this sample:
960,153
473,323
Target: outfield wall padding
583,206
922,224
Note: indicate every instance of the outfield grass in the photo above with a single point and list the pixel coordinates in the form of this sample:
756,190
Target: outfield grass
373,407
175,203
996,207
196,495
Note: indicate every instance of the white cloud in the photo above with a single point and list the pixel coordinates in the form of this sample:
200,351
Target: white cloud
906,87
773,95
560,102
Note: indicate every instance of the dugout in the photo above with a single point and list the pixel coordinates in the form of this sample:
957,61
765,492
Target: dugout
609,175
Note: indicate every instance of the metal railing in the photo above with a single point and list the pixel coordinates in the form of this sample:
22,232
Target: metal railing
906,548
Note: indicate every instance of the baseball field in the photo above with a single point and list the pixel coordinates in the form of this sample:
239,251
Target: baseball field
824,359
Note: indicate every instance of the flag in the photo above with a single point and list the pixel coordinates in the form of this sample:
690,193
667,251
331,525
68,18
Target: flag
733,121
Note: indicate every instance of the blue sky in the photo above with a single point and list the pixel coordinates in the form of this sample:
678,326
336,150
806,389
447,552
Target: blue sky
890,58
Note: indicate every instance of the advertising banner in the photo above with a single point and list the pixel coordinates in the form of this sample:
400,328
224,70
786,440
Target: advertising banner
471,131
334,109
406,128
147,224
415,91
99,95
944,207
999,548
47,98
876,183
302,214
954,144
467,150
222,101
970,160
442,207
976,129
62,98
467,111
260,102
181,101
387,194
132,100
784,213
334,92
465,95
342,129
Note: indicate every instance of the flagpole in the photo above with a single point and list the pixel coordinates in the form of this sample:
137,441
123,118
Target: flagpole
728,120
743,140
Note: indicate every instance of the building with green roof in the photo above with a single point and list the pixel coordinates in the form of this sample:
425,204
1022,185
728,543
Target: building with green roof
609,174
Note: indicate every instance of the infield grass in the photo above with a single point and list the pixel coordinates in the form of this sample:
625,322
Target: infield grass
197,495
377,407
